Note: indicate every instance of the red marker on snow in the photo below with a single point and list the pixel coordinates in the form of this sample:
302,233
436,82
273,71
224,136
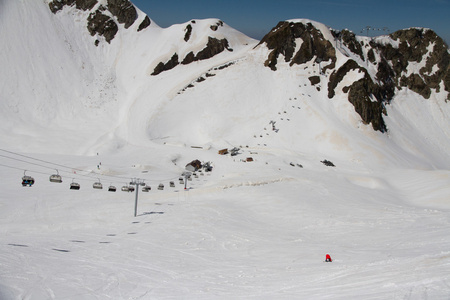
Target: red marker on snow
328,258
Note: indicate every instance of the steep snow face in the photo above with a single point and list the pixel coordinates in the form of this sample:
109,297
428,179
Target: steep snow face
81,83
57,79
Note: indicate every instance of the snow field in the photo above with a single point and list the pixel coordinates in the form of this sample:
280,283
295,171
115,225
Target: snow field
227,236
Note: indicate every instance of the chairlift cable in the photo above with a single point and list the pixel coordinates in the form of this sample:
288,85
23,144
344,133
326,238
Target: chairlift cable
22,169
91,174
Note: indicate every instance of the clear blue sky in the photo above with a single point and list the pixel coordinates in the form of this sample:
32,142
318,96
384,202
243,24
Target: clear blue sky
257,17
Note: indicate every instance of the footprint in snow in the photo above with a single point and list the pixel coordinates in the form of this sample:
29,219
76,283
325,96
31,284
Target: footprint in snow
61,250
18,245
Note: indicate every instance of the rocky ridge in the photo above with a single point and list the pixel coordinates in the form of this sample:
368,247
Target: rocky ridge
104,16
415,58
213,47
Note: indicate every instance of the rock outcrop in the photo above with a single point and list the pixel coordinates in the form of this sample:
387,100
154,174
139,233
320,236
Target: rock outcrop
212,48
282,41
414,58
103,20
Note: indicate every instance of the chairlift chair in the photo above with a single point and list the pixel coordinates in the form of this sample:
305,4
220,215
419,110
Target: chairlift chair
160,186
97,185
172,184
56,177
74,186
27,180
181,180
112,188
131,188
146,188
125,188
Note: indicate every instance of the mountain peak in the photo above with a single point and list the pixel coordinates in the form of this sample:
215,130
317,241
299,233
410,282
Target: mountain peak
386,64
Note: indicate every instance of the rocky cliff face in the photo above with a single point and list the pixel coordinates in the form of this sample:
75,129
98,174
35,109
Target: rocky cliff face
104,16
213,47
414,58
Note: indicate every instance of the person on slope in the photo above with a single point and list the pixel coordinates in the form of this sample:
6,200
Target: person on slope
328,258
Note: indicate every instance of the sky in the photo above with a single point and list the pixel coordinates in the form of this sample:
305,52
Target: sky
256,18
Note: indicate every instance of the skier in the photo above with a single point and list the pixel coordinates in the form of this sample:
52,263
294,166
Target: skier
328,258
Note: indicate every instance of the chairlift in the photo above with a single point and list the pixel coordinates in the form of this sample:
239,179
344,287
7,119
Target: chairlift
125,188
160,186
181,180
172,184
97,185
146,188
111,188
131,188
56,177
27,180
74,186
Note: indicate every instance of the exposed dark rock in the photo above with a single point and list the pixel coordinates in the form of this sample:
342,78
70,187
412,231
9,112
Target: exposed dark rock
216,26
314,80
124,11
85,4
213,47
57,5
327,163
364,94
281,40
338,75
361,94
190,57
349,40
371,56
224,66
414,46
144,24
367,94
187,35
161,67
386,81
447,81
101,24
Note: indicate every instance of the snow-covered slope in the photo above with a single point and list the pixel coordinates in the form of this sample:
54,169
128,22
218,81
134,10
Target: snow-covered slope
68,84
203,83
343,149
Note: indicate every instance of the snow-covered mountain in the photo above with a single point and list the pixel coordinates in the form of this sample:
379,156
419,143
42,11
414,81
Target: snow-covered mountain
343,149
106,73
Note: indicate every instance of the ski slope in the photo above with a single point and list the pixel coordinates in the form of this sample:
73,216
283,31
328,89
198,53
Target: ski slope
258,230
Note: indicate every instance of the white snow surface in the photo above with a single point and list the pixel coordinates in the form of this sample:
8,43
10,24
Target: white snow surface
245,230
